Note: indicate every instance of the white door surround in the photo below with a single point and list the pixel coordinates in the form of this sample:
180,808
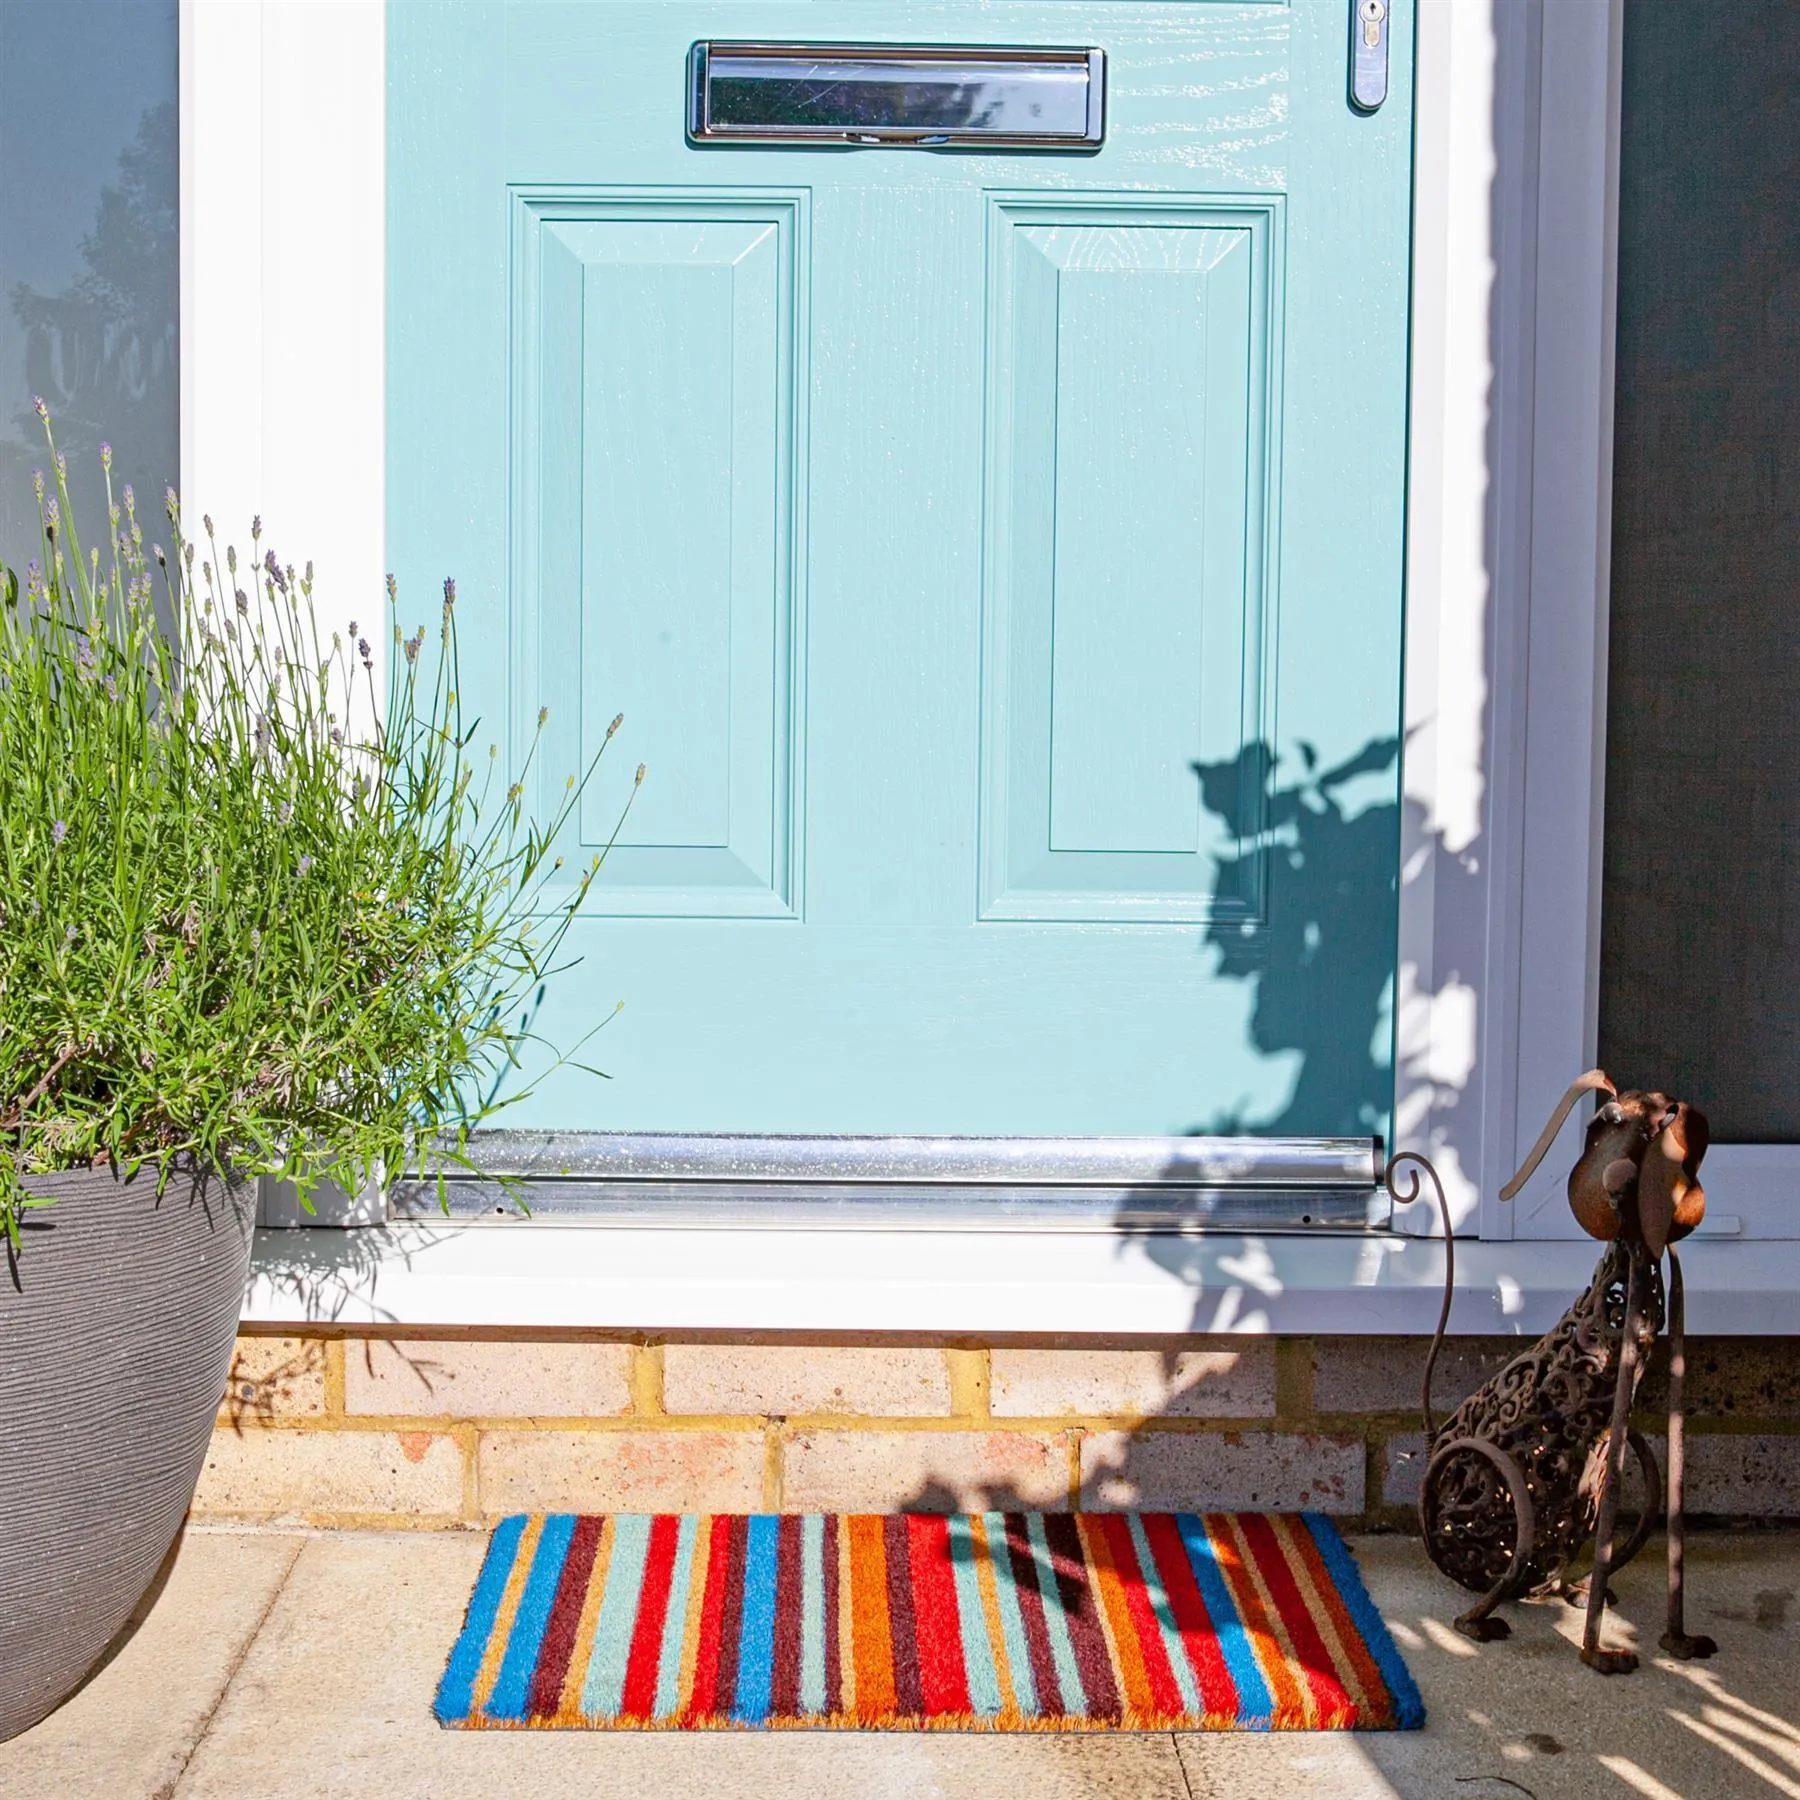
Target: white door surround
1509,499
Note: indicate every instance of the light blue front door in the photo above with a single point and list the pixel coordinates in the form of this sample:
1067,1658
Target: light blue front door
996,557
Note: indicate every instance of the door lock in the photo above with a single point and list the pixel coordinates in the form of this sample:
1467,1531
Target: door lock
1368,54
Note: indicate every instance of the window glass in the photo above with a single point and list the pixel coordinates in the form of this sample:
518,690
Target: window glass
1700,921
89,253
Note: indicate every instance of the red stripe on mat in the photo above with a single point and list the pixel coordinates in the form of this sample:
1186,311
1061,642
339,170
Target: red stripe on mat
638,1700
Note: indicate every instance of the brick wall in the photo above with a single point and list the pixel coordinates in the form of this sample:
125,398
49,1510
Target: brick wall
453,1429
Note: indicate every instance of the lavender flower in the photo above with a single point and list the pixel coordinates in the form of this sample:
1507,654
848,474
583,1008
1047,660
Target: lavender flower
69,935
106,456
243,601
285,811
59,830
38,407
304,866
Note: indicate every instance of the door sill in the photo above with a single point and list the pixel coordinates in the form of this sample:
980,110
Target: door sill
883,1183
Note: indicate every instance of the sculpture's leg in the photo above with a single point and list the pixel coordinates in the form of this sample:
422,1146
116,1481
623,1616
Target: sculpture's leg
1475,1623
1676,1639
1614,1662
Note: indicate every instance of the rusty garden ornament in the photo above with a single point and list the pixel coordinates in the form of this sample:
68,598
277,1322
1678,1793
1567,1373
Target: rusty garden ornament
1529,1467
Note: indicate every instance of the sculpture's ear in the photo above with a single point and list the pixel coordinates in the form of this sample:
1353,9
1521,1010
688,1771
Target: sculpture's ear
1682,1142
1595,1081
1658,1180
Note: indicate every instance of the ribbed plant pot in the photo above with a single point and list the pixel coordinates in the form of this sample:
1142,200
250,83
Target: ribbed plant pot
117,1320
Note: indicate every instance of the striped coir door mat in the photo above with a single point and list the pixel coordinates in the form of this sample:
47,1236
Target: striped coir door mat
966,1622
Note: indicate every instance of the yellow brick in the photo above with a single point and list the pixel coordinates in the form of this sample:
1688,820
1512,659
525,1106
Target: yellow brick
1228,1382
448,1378
306,1474
274,1378
788,1380
663,1470
1221,1471
926,1471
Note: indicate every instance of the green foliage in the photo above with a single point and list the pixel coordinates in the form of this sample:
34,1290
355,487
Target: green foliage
248,916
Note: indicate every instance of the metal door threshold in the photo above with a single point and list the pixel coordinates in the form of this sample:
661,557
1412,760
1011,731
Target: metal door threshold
1094,1184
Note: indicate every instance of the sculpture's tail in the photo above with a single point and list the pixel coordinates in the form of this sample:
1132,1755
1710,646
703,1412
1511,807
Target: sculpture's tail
1406,1199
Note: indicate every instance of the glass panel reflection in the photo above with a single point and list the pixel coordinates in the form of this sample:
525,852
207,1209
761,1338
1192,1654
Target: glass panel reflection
89,252
854,93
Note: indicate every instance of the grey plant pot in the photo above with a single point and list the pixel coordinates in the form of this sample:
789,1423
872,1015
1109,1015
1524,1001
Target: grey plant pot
117,1321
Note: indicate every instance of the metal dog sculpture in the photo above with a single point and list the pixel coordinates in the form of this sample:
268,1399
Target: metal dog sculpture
1529,1467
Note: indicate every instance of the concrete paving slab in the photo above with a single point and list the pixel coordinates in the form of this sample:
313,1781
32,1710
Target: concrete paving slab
282,1667
1526,1717
332,1703
129,1732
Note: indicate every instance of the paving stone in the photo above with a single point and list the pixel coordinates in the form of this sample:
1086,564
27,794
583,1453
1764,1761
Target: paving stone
330,1700
1219,1470
1237,1382
294,1727
924,1471
274,1378
436,1378
128,1732
1382,1375
665,1470
797,1380
301,1474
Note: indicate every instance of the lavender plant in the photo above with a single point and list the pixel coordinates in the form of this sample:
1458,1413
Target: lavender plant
236,927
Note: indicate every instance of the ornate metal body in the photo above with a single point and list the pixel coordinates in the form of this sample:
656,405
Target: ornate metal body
1549,1411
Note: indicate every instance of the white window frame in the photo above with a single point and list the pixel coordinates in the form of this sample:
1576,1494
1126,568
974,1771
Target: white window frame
1517,133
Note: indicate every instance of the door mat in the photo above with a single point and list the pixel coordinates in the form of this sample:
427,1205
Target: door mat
907,1622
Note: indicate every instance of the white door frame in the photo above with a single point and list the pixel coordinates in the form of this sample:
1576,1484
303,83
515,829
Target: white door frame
283,369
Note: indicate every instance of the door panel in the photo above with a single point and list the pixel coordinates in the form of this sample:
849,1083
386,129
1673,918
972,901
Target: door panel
996,557
655,478
1129,484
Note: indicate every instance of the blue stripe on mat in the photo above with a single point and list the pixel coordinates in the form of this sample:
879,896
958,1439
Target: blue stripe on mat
1256,1705
512,1691
1409,1704
457,1690
756,1646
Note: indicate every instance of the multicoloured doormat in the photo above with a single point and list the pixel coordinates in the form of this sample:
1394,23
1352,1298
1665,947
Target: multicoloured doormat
909,1622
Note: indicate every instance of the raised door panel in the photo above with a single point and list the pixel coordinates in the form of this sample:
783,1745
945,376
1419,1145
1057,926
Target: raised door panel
1131,388
657,493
